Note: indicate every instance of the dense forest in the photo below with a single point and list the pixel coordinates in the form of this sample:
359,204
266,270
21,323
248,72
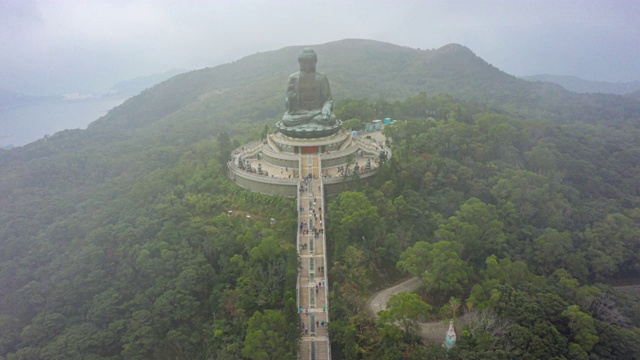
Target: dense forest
517,205
519,226
151,268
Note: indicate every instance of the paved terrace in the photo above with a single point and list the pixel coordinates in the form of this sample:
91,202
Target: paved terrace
283,173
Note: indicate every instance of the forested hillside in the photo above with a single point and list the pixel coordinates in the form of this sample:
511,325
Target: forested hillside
252,89
517,224
521,200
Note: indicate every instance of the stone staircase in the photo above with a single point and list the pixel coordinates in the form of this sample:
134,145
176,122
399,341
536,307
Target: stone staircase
312,280
315,349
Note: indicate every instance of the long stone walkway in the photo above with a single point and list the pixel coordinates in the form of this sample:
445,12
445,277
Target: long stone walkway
313,283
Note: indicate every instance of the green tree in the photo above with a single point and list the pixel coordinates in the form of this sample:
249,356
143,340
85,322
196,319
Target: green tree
438,265
351,273
538,200
582,327
406,309
264,274
477,227
352,217
550,250
542,158
353,124
224,147
267,337
354,108
611,243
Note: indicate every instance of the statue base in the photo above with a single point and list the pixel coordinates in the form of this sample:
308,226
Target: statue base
273,166
309,131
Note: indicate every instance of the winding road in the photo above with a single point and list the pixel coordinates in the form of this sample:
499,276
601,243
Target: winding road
431,332
378,301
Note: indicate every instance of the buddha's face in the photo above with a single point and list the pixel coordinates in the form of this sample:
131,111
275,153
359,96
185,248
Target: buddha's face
307,64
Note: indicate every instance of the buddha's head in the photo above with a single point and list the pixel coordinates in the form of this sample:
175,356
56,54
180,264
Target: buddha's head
307,60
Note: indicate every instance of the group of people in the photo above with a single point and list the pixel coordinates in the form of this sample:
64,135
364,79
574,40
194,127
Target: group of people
310,224
304,327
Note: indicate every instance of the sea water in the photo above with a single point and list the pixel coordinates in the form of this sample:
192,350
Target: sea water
24,124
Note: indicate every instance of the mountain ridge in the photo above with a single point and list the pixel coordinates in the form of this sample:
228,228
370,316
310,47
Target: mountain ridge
365,68
579,85
250,90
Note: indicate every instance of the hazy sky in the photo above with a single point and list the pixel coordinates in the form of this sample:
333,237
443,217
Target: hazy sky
57,46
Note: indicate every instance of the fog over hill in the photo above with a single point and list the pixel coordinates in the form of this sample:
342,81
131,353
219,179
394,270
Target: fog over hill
576,84
133,86
359,68
251,88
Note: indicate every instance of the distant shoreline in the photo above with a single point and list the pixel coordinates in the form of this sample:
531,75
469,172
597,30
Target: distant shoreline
28,122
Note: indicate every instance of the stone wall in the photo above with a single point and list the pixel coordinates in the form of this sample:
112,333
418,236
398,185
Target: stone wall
328,161
288,187
263,184
287,163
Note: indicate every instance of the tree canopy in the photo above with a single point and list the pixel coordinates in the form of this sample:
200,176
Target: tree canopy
520,200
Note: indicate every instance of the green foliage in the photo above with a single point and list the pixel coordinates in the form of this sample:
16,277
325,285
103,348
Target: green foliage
480,204
115,240
268,336
406,309
353,124
477,227
355,112
439,265
352,278
582,327
550,250
142,265
612,243
351,216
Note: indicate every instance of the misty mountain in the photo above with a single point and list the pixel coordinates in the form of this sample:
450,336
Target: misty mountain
578,85
634,95
234,97
252,88
136,85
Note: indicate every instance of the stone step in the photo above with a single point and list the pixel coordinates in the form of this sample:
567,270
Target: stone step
304,352
314,347
319,258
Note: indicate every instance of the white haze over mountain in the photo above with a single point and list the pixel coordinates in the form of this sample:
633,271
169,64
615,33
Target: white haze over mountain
73,46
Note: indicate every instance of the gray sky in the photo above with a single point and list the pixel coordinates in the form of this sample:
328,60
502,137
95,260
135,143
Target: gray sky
58,46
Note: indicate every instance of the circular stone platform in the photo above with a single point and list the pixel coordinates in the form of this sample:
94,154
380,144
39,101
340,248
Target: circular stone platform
272,166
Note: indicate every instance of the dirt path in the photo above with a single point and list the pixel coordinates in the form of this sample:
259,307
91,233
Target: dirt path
379,300
431,332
